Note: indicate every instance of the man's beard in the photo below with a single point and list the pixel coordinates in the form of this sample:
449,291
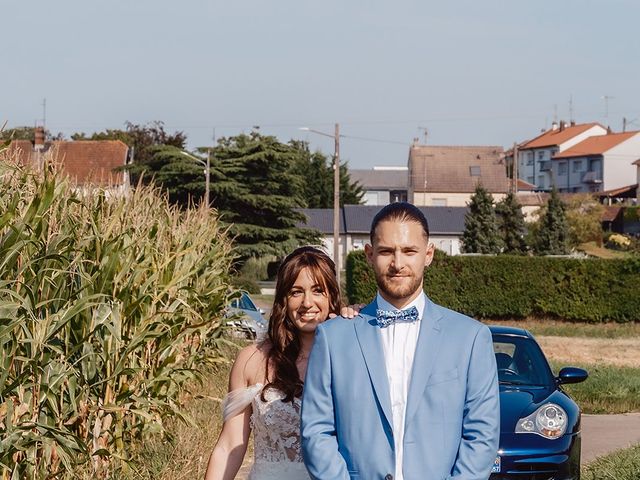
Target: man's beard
397,291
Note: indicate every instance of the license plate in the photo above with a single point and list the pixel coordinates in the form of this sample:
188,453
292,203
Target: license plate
496,466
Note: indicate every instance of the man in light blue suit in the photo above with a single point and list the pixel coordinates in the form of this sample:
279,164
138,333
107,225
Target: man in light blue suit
408,389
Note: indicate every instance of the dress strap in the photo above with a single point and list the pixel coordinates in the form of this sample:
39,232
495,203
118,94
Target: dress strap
237,400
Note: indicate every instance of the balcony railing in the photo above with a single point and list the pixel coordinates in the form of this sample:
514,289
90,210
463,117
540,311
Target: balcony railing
592,177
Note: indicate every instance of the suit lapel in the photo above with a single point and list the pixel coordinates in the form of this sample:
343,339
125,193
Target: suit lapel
368,334
427,347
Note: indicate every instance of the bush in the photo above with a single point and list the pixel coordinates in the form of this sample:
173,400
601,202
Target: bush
592,290
109,304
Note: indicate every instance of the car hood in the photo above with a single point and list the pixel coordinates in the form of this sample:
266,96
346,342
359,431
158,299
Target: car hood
516,403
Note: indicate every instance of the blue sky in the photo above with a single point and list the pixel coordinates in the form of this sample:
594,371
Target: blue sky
472,72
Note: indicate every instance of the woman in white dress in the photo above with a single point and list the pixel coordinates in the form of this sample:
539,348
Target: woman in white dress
266,380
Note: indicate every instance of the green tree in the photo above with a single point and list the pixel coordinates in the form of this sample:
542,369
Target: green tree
28,133
552,237
511,225
481,233
141,138
317,169
584,218
181,174
258,192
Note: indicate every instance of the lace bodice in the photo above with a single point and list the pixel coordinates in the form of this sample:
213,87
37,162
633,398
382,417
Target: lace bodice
275,424
276,428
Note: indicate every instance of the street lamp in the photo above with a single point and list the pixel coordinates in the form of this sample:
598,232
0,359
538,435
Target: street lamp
336,194
207,169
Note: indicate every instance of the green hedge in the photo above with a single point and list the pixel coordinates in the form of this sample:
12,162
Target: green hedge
590,290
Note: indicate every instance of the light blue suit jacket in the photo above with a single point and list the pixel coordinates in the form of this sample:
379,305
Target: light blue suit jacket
452,412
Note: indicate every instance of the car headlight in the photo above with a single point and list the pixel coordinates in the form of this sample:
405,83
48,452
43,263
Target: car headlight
549,421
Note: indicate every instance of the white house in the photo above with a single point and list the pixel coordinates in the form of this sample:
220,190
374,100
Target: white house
534,156
597,164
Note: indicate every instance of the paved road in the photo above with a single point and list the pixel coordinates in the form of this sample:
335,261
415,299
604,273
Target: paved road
603,434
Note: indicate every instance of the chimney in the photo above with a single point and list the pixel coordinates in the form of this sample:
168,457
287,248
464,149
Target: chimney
554,126
573,123
562,125
38,143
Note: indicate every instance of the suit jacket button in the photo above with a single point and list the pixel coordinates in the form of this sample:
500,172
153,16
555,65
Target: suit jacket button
388,476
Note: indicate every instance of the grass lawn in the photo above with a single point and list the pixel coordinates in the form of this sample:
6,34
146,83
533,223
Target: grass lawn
590,248
184,454
620,465
608,389
557,328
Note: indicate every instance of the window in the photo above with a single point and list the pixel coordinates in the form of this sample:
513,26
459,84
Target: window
397,196
541,181
541,155
474,171
577,166
562,168
439,202
530,159
531,180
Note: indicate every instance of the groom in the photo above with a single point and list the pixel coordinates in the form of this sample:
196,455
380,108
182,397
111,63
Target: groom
408,389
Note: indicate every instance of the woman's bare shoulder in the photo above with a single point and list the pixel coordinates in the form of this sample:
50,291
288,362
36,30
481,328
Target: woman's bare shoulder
251,362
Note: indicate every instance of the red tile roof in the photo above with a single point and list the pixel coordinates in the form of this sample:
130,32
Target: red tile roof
596,145
553,137
85,162
610,213
525,186
448,169
614,192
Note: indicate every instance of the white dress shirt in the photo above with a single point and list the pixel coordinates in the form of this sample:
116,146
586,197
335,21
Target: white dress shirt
399,344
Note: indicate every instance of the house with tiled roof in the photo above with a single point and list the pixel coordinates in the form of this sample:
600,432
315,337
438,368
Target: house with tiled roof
598,163
447,176
446,225
535,156
86,163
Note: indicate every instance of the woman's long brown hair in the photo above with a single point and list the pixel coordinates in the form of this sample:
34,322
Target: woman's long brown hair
282,335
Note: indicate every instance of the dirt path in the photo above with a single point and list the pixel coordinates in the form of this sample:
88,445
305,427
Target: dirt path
621,352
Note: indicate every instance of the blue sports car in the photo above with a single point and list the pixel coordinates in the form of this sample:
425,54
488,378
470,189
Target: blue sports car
539,422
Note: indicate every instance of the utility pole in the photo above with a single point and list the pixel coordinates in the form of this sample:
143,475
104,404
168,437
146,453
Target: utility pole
207,172
336,202
514,169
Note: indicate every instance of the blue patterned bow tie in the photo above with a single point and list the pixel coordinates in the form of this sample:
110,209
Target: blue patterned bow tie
387,317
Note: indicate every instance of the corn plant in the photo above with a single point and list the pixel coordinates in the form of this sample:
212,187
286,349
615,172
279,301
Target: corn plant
108,305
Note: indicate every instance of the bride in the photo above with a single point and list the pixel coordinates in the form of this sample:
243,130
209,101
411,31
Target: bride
266,380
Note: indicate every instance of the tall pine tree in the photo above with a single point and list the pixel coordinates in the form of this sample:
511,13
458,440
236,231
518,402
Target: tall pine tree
511,225
317,169
553,232
480,224
258,193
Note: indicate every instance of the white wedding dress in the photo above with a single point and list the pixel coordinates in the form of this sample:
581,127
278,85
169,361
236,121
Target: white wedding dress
276,432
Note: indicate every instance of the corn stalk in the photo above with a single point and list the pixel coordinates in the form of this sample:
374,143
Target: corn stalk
108,305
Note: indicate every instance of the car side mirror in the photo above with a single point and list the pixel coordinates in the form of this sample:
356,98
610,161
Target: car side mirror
262,312
572,375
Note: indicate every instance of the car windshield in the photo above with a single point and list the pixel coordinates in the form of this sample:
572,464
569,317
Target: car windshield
520,361
244,303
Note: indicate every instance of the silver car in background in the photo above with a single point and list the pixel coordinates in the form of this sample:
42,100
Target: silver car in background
246,318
